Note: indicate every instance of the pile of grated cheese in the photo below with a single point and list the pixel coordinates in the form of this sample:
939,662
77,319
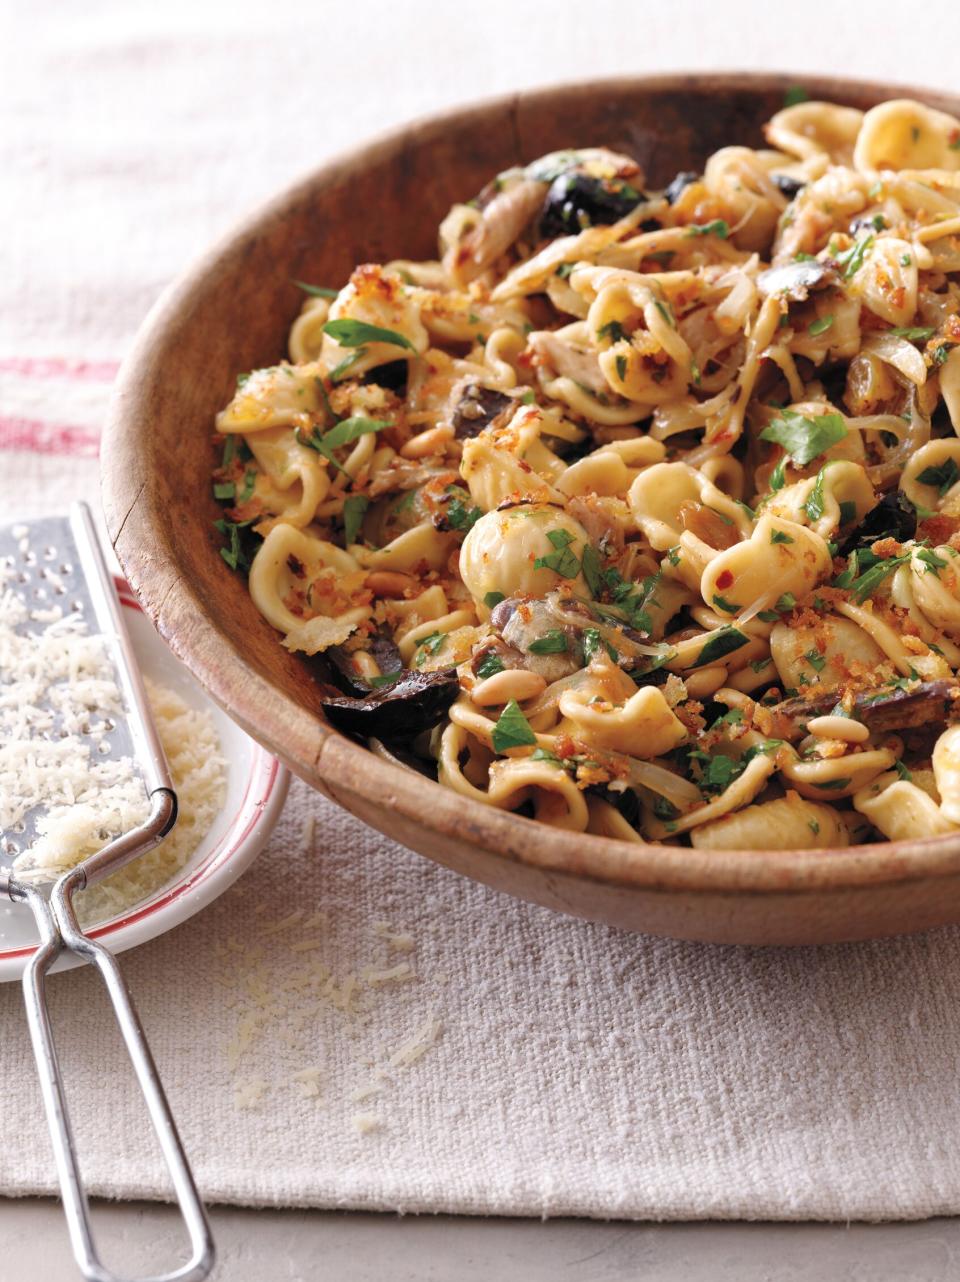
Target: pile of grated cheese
59,702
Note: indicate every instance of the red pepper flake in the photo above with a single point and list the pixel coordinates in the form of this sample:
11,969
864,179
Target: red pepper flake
724,580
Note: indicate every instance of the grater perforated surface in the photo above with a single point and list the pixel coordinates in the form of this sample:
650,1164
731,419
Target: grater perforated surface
43,564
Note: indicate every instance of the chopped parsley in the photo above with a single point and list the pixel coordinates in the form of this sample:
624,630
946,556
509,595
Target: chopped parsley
234,555
490,665
795,95
867,583
902,770
820,325
528,398
665,312
933,562
915,333
814,504
848,511
459,515
223,490
552,642
345,432
777,478
718,227
562,561
544,754
357,333
564,270
512,729
354,509
834,784
612,330
724,641
816,660
429,645
493,598
778,536
620,364
804,438
316,291
851,260
944,476
593,643
729,607
717,773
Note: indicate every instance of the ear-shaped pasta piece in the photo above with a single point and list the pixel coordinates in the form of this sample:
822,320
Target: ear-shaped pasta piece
602,472
836,777
643,356
811,129
325,582
526,550
463,763
644,726
839,484
946,770
286,462
376,298
280,396
789,823
936,587
901,811
780,556
888,280
512,461
904,134
658,492
940,456
740,793
821,656
950,386
556,798
422,545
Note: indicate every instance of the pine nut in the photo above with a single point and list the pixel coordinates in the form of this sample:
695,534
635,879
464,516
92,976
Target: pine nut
516,683
831,727
433,441
389,582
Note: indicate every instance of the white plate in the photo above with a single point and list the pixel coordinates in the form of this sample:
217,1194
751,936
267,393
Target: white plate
256,789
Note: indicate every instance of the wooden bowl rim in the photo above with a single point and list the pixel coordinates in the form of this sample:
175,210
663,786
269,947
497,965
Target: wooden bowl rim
339,761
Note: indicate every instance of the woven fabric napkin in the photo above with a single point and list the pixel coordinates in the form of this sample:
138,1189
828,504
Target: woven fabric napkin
350,1025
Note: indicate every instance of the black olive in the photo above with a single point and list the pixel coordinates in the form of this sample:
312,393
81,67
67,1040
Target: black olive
575,201
337,666
415,702
789,186
894,517
679,185
476,409
392,375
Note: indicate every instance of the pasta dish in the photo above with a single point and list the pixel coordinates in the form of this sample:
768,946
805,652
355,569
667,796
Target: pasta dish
637,511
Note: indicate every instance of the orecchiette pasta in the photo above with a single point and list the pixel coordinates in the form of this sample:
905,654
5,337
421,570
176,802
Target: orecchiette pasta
637,510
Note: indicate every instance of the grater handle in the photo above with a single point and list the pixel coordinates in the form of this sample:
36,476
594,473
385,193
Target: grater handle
59,929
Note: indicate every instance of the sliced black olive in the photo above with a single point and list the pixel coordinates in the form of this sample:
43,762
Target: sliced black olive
680,185
894,517
392,375
415,702
338,663
931,703
789,186
476,409
575,201
798,280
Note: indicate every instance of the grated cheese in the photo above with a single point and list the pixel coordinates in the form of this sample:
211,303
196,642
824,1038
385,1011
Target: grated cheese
59,699
417,1044
395,975
366,1122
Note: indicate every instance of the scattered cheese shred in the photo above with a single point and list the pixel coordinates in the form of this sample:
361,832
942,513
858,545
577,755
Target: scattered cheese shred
418,1043
366,1122
395,975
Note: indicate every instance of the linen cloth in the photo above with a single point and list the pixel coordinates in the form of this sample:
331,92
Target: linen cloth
573,1069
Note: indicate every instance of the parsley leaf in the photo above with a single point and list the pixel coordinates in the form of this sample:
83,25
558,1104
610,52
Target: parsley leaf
612,330
816,660
489,665
719,772
851,260
719,227
794,95
563,561
804,438
620,364
429,645
459,515
729,607
868,582
723,642
316,291
234,555
493,598
223,490
544,754
814,504
353,513
355,333
819,326
512,729
944,476
593,643
915,333
590,564
552,642
777,478
933,562
778,536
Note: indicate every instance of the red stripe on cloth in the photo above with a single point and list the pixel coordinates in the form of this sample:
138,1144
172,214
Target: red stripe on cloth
37,437
60,367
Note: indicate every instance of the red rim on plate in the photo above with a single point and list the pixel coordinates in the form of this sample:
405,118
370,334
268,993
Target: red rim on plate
262,780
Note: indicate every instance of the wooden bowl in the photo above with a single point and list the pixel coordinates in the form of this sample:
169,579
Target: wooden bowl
232,312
